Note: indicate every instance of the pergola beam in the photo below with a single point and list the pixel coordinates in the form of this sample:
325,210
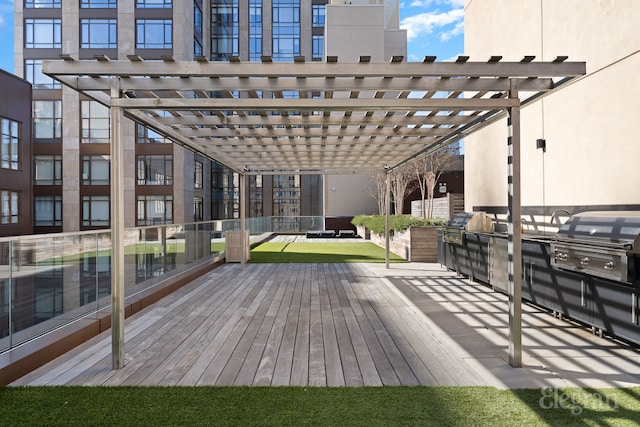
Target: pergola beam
314,84
315,104
189,69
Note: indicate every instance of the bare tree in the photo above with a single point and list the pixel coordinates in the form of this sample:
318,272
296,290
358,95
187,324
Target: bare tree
378,190
401,185
429,169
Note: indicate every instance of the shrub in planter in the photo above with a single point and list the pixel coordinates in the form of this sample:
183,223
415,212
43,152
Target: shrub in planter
376,223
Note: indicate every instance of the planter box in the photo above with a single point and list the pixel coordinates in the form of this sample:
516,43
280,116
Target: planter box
363,232
416,244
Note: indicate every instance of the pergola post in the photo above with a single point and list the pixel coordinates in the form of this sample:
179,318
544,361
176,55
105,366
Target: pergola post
117,230
514,246
387,209
243,193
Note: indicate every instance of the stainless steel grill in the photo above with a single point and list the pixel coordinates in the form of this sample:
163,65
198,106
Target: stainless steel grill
454,231
601,244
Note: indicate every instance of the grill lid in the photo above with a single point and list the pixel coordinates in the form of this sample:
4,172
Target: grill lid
471,221
603,228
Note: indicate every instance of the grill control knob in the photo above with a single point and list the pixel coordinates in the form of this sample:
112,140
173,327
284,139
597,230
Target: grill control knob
561,257
584,261
609,265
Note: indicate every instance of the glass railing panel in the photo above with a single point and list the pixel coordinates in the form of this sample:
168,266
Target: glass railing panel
47,281
6,294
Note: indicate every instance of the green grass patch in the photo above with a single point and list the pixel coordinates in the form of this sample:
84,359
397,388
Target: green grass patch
304,406
320,252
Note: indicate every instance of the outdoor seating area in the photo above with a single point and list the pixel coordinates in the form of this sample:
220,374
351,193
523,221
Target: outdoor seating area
323,234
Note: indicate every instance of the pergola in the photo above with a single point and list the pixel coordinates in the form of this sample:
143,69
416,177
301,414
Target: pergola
272,118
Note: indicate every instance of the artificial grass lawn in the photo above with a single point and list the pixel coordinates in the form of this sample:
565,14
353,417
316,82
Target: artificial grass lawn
322,406
320,252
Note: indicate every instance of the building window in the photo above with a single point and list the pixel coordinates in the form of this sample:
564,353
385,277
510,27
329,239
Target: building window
255,196
318,45
149,136
153,4
286,29
95,211
155,170
47,119
153,33
33,73
155,210
43,33
47,170
286,195
98,4
255,30
47,211
224,29
197,48
198,209
318,15
10,150
225,194
197,20
95,123
10,207
98,33
197,174
95,170
43,4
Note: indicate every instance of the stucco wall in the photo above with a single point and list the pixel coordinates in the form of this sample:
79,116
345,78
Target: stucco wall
592,150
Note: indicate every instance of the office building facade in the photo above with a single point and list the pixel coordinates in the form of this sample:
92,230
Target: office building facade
165,183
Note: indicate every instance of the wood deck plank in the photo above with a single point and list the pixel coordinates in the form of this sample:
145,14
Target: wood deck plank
222,351
284,360
348,360
171,371
240,355
231,315
266,367
300,365
333,365
317,368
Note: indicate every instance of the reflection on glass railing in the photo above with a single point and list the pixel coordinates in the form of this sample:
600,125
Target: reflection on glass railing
48,281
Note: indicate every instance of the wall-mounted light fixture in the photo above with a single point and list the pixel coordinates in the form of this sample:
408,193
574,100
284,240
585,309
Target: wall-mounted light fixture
541,143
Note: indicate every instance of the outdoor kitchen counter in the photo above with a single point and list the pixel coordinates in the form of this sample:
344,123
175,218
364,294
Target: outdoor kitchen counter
606,306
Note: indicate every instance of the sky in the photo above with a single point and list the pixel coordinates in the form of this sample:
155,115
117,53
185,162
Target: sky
434,28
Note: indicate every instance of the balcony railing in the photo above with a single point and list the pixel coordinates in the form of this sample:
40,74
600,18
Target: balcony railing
50,281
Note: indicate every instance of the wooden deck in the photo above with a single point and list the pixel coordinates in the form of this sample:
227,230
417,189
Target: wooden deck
341,325
270,324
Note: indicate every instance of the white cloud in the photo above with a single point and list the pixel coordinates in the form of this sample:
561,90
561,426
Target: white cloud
427,23
456,31
6,10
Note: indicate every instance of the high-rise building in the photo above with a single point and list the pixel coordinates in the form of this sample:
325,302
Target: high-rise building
166,182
